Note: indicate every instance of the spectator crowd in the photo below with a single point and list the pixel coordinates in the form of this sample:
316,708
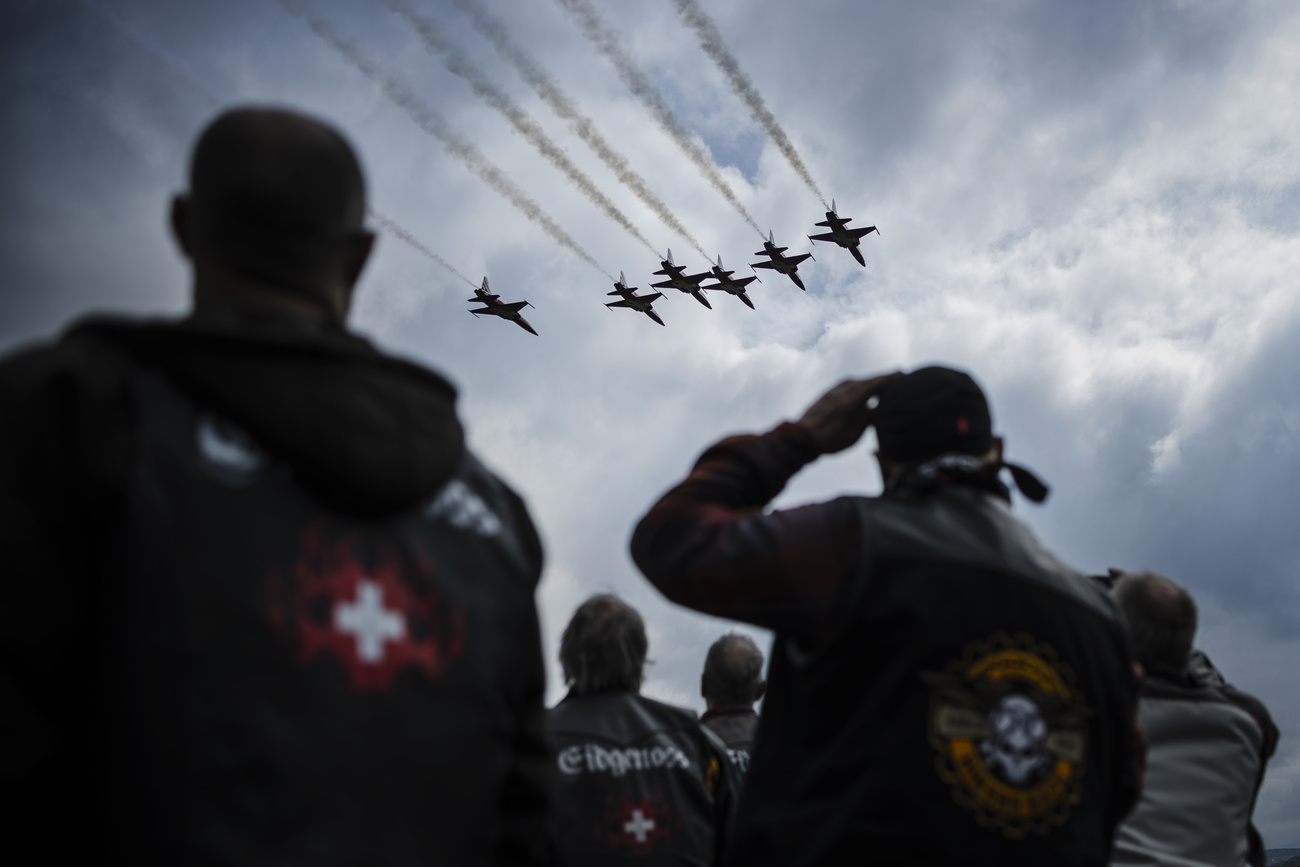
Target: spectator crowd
264,606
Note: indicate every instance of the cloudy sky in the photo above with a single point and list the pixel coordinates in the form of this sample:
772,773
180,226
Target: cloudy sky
1093,207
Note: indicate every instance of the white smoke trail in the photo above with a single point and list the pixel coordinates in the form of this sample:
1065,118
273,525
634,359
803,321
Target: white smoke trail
182,73
582,126
711,41
394,228
458,64
432,123
606,41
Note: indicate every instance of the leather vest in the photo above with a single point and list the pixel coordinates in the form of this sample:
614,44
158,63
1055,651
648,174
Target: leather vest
639,781
280,683
973,706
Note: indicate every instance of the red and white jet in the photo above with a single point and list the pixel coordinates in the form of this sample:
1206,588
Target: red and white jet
681,281
731,285
494,306
841,234
627,297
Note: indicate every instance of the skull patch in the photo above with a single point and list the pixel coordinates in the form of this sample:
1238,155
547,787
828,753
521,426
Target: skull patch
1009,727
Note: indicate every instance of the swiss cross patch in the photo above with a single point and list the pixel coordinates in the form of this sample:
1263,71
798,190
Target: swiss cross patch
637,822
374,611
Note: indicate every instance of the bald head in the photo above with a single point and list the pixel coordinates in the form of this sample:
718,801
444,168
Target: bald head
1161,620
276,198
733,672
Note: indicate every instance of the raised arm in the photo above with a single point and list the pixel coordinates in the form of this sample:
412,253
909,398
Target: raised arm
708,545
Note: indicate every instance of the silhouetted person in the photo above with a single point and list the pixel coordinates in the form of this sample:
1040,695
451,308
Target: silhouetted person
261,604
941,689
731,683
1208,743
640,781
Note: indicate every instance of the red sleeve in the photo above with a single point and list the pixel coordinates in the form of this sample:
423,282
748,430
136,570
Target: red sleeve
708,545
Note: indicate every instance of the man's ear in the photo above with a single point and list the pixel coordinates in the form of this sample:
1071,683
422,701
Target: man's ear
760,690
179,218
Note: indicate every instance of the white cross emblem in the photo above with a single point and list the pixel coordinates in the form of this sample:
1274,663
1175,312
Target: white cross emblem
369,622
639,826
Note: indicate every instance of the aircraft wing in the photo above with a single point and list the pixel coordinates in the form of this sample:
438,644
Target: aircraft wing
623,303
518,305
825,236
655,297
490,311
866,230
744,281
667,284
797,259
771,265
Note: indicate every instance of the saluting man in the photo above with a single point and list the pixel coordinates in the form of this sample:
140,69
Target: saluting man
942,690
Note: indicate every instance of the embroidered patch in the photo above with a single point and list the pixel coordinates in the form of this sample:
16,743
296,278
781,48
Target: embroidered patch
374,611
1010,729
636,824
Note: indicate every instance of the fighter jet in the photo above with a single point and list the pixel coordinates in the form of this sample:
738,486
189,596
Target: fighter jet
688,283
787,265
728,284
493,306
628,298
840,233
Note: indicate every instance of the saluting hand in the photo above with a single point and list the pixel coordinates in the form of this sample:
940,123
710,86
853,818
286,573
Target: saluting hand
841,416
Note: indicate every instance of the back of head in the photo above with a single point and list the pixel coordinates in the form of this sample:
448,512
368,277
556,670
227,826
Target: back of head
733,671
1161,619
930,412
275,197
603,648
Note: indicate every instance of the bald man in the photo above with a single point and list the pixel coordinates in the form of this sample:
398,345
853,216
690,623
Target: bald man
261,605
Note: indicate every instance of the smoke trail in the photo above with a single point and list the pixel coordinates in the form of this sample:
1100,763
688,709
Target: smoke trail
582,126
711,41
182,73
433,123
606,40
458,64
394,228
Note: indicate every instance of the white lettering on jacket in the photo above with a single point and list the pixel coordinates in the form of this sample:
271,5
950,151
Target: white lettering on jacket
595,759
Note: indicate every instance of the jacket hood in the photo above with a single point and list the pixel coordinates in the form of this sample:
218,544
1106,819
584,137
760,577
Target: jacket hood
365,434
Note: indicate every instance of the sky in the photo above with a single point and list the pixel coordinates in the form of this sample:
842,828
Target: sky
1094,208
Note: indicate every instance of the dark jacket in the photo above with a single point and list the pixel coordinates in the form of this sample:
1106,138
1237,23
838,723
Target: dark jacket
261,607
639,781
1209,747
738,729
942,690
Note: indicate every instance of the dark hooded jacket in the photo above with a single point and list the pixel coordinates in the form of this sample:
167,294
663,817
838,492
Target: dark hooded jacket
261,606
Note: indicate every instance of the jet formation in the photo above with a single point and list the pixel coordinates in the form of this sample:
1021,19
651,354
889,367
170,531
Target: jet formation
694,285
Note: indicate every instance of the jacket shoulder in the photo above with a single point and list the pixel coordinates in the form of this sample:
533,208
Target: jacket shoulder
476,500
620,716
965,526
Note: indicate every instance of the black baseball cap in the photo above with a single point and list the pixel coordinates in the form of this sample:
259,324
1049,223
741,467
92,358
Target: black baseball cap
930,412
